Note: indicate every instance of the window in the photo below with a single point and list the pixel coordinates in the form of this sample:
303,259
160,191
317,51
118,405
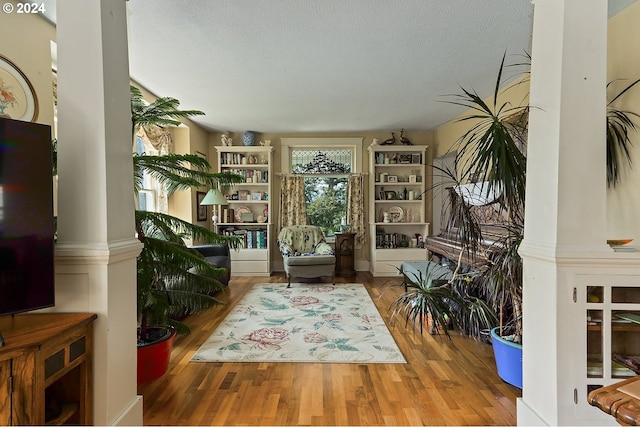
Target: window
326,172
148,194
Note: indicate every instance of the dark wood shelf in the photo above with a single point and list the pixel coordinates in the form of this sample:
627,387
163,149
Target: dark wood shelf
68,411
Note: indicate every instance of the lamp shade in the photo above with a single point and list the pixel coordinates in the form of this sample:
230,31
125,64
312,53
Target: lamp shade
214,197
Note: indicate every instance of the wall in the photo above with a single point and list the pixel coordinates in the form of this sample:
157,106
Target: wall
30,51
623,62
623,202
362,255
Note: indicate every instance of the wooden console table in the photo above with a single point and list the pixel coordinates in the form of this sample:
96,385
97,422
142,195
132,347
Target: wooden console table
623,407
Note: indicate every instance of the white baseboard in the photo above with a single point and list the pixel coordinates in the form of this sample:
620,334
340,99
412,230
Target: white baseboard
132,416
526,416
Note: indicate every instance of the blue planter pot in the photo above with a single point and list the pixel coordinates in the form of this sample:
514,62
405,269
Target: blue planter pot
508,359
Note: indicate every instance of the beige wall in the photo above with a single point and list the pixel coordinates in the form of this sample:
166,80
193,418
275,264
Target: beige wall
26,41
623,62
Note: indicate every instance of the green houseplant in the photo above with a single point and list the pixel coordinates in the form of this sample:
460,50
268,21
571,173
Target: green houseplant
492,153
172,280
619,124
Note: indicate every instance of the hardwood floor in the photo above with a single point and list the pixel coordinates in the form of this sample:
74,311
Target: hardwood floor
443,382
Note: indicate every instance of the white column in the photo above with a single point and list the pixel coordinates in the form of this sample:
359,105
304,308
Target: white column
565,218
96,250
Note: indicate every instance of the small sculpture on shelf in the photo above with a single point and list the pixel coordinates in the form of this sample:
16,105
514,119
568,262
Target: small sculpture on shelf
404,140
389,141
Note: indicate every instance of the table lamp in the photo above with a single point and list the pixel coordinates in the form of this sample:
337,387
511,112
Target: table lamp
214,198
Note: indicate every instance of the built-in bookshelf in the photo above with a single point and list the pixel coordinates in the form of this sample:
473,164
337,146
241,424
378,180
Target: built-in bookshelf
249,205
397,206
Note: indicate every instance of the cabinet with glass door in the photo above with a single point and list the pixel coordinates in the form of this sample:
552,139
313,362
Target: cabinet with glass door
612,323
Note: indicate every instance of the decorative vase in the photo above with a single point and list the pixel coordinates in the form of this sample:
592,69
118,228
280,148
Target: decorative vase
249,138
508,358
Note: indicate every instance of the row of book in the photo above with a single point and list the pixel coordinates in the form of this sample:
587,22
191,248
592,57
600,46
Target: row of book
238,159
251,175
253,239
398,240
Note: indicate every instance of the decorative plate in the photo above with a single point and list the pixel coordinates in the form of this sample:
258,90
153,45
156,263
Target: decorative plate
396,214
241,210
619,242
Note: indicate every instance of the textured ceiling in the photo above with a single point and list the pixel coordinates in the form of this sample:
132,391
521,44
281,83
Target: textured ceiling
326,65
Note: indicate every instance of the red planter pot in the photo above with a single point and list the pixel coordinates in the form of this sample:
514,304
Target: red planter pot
153,358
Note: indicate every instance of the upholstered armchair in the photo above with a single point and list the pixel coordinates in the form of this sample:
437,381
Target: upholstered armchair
305,252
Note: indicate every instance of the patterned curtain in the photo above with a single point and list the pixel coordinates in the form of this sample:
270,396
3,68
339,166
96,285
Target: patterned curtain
157,142
159,138
293,210
355,207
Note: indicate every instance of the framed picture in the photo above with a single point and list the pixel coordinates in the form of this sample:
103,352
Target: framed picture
202,210
18,100
256,196
243,195
390,195
404,158
416,159
392,178
412,179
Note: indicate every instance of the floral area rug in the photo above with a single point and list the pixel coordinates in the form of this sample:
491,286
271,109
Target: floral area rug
304,323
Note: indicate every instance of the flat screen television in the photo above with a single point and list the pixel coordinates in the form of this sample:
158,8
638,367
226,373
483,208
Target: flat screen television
26,217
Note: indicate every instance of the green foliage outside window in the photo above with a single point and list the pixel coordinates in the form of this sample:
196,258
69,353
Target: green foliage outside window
326,199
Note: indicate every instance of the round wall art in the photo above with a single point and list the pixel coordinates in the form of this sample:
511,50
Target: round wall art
18,100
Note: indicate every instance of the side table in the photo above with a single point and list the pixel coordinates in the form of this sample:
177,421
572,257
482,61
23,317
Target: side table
623,407
345,251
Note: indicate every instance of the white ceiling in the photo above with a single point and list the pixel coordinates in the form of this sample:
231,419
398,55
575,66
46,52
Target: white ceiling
287,66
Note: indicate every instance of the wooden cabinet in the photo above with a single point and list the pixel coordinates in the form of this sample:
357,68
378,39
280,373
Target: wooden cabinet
248,213
397,206
45,369
345,251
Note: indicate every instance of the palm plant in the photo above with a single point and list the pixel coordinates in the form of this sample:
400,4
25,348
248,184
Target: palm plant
619,123
172,280
493,150
428,298
443,300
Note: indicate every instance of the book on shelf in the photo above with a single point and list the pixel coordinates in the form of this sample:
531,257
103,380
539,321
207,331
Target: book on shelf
629,361
618,369
228,215
631,317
